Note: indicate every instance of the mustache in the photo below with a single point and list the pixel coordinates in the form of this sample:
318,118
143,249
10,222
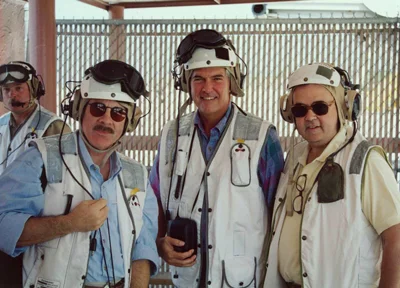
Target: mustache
16,103
103,128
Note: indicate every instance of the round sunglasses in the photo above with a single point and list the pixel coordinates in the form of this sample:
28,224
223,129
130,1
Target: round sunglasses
98,109
318,107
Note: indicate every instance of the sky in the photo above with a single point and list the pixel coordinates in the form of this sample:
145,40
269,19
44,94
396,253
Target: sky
73,9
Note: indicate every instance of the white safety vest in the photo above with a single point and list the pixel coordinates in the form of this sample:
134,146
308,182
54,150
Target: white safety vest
338,246
237,213
9,150
62,262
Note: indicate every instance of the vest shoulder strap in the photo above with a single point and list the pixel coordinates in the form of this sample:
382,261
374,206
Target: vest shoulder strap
133,173
5,119
185,124
247,127
41,119
358,157
54,162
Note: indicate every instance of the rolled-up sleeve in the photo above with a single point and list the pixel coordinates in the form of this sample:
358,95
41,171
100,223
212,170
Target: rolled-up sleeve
145,247
21,197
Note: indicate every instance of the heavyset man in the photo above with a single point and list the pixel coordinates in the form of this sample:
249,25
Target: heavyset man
81,213
337,213
20,91
216,169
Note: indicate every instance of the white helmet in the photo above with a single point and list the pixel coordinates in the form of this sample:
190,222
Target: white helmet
224,56
317,73
219,57
92,89
335,80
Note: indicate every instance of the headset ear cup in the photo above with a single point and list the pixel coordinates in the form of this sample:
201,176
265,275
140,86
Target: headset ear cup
40,90
135,119
353,105
242,77
285,108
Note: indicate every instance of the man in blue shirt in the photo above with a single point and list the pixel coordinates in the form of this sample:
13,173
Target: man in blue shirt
80,212
215,174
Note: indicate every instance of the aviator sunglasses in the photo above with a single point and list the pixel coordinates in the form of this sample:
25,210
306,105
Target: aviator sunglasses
319,108
98,109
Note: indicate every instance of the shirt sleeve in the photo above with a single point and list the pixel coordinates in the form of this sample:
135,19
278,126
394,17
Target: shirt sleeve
145,247
270,166
21,197
380,195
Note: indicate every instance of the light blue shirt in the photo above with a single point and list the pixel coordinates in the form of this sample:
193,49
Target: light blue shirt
22,197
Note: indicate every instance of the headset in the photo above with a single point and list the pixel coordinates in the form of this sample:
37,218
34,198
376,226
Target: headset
27,70
71,105
334,78
207,48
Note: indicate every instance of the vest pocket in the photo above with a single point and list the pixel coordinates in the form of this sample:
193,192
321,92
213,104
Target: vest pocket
239,272
136,204
240,165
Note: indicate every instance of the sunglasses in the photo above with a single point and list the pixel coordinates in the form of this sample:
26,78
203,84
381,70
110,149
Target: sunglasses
205,38
114,71
98,109
319,107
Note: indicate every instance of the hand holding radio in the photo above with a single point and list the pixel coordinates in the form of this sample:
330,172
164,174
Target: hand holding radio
89,215
166,248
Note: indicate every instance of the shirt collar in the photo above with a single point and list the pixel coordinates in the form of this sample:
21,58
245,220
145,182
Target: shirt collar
221,124
115,163
14,125
332,147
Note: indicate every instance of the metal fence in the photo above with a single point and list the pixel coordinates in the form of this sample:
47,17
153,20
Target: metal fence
368,48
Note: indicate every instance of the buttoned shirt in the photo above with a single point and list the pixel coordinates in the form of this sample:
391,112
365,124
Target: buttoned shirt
23,197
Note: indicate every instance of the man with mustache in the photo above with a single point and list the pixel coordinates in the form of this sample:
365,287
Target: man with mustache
337,213
81,213
215,174
20,91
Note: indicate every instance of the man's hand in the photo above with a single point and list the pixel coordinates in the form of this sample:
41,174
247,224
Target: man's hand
89,215
180,259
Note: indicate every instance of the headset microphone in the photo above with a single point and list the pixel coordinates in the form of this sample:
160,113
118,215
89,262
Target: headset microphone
16,103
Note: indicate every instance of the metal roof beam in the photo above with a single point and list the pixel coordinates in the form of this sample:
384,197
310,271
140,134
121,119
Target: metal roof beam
97,3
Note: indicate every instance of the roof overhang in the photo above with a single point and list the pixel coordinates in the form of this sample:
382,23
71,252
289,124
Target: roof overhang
103,4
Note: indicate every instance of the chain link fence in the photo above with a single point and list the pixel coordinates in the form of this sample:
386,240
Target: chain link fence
367,48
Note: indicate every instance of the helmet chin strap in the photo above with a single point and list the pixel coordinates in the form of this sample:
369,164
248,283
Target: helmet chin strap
108,151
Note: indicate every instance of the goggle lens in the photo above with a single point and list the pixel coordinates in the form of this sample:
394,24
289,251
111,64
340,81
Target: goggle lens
205,38
320,108
114,71
13,73
98,109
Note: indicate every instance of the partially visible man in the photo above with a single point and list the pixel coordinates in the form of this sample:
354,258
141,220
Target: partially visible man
20,91
336,220
215,175
81,213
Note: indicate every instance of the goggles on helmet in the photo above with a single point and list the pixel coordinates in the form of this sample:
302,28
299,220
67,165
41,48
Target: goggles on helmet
10,73
205,38
114,71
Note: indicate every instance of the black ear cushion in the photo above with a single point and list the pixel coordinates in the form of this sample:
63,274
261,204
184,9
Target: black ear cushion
40,90
356,107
